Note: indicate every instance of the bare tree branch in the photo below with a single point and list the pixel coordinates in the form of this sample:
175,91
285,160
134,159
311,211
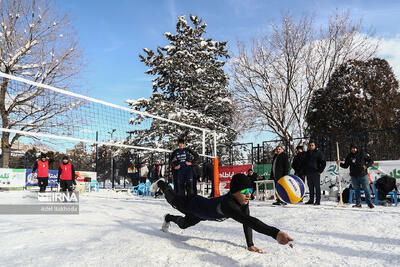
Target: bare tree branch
37,43
277,76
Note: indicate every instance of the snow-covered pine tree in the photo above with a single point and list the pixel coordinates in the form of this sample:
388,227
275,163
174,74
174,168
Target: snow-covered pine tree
80,156
190,87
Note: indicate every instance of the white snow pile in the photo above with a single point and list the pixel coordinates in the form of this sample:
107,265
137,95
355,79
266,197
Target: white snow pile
118,229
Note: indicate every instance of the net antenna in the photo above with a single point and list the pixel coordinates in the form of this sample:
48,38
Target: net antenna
41,111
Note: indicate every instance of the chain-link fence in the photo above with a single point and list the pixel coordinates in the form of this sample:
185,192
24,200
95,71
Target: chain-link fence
380,144
120,167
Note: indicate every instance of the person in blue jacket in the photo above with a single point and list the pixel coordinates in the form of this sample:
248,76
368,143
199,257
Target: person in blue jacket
234,204
185,158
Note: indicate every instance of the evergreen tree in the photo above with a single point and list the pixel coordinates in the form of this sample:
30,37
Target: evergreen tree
103,162
190,87
81,158
360,95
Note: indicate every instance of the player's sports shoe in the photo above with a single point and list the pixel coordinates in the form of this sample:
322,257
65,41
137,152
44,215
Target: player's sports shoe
154,186
165,225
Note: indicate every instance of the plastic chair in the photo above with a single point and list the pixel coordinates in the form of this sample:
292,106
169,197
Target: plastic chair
94,185
142,188
393,195
138,188
352,191
147,188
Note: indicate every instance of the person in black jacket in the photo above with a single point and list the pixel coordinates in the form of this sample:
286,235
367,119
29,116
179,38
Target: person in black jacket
280,168
313,165
253,176
297,163
235,205
359,163
153,172
208,175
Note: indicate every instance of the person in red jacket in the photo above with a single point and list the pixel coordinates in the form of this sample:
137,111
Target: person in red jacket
66,175
42,167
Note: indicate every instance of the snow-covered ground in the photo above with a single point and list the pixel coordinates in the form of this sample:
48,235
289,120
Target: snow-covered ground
118,229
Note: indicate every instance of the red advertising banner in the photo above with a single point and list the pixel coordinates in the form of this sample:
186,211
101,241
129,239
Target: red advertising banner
226,173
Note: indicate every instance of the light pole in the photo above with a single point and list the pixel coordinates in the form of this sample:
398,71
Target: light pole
112,160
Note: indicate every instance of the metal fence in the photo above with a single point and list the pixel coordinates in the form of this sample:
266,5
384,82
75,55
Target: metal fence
380,144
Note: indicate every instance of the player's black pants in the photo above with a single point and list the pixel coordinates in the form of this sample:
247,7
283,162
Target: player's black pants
314,185
43,182
66,185
180,203
278,200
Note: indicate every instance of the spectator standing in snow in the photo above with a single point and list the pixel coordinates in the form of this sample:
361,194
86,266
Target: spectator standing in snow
297,163
143,172
133,174
185,158
314,165
154,172
208,175
359,163
253,176
280,168
162,169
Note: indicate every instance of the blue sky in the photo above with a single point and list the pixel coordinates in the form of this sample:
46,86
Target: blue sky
113,33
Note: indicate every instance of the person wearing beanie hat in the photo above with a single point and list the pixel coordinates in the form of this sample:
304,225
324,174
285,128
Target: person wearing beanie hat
234,204
359,163
42,168
66,175
185,157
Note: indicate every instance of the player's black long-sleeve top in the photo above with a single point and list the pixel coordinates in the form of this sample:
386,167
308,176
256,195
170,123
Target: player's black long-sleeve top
226,206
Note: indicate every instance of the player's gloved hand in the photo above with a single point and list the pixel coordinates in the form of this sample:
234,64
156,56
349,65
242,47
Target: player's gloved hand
188,163
255,249
283,238
177,167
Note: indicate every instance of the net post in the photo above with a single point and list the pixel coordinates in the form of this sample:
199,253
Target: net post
216,177
215,144
340,180
204,143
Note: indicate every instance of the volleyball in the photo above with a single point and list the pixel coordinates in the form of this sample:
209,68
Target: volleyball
290,189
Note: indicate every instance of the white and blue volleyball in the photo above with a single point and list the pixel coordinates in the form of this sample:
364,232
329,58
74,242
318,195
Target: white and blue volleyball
290,189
